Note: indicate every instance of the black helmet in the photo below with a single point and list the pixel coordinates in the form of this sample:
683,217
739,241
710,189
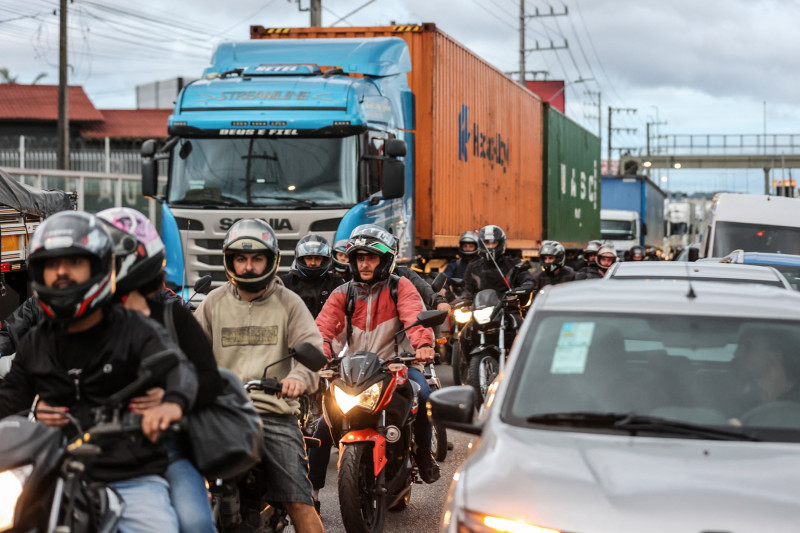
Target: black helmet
251,235
637,251
340,268
138,250
313,244
70,234
489,234
372,239
555,249
468,237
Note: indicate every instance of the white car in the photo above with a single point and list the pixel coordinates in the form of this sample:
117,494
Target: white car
632,406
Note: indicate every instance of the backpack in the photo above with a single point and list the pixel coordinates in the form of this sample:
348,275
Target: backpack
350,303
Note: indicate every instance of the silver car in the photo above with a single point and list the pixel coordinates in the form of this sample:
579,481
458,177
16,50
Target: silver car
712,270
633,406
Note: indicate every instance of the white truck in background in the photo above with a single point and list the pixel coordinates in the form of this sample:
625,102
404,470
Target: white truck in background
621,227
684,223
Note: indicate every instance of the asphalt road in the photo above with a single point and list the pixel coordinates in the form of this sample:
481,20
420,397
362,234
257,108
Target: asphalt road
423,515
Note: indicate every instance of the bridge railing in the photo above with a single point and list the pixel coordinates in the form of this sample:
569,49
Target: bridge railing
722,144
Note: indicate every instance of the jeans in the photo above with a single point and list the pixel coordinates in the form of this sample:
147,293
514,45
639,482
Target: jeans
148,508
187,489
318,458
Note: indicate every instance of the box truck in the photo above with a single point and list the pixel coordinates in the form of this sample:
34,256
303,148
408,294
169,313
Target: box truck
637,195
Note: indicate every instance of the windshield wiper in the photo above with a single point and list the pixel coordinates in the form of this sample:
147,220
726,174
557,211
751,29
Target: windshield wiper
309,203
205,202
634,423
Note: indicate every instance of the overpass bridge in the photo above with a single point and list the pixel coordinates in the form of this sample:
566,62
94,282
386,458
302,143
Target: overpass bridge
717,151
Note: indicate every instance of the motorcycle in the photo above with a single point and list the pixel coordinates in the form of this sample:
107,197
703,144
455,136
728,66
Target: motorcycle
370,407
223,492
462,315
43,474
495,322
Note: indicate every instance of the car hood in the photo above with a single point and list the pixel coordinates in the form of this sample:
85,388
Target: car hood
595,483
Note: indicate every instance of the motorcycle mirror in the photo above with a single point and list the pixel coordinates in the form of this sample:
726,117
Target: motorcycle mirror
438,282
525,265
429,319
203,284
309,356
151,367
456,282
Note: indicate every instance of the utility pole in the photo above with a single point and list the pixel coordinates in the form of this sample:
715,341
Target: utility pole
63,92
656,123
599,111
316,13
522,50
611,130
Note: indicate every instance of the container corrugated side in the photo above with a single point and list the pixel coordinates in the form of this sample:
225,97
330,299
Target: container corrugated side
572,188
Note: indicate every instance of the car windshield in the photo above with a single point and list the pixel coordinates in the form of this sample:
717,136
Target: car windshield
253,172
723,373
617,230
730,236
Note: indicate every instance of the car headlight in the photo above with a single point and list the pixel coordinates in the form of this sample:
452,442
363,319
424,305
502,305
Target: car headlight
367,399
472,522
483,316
462,316
11,482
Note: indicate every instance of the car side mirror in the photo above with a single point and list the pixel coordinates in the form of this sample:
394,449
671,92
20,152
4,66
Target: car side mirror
455,408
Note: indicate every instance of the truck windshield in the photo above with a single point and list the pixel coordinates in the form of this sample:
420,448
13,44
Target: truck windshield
617,230
678,228
270,172
729,236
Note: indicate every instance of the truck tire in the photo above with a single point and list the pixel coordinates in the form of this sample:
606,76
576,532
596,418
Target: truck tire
363,508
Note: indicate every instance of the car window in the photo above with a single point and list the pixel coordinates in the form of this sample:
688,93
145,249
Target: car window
708,370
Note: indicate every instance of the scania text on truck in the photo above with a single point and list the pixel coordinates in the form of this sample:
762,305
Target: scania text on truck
322,129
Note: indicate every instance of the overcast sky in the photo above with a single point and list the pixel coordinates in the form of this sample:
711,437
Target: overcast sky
704,66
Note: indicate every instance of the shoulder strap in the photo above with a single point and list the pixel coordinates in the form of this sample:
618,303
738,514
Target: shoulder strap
169,320
394,282
350,308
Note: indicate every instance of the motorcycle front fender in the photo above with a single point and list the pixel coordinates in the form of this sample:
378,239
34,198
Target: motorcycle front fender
485,348
366,436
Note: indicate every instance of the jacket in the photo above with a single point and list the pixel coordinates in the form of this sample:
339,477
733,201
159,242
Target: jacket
17,324
482,274
313,291
589,272
429,298
542,279
119,343
248,336
375,319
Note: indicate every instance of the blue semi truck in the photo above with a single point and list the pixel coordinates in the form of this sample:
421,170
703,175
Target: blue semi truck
632,212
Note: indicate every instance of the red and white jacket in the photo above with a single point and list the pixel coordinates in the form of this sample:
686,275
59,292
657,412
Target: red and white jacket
375,319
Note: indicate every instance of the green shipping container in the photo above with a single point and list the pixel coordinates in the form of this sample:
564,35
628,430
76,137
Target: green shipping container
571,156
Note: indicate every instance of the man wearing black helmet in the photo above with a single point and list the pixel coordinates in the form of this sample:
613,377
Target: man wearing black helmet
311,278
381,304
85,351
494,269
340,266
252,321
552,269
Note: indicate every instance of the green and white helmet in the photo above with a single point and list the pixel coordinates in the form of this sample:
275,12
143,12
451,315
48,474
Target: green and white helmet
372,239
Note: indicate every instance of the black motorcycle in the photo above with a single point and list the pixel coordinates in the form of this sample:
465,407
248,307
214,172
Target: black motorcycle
225,500
370,407
43,481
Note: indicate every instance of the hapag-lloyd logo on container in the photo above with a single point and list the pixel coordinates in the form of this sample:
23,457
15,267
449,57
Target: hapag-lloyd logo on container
491,147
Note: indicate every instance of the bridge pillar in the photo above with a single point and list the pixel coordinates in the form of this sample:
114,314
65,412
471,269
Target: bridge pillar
766,180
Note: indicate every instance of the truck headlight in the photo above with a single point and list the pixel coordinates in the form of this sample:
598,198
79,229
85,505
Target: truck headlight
367,399
483,523
462,316
483,316
11,482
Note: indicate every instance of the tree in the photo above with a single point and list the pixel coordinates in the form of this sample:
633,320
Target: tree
6,77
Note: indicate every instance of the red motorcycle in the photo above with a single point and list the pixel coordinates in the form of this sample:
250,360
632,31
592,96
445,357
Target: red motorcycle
370,407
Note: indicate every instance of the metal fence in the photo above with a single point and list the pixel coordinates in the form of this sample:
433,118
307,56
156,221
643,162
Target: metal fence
723,144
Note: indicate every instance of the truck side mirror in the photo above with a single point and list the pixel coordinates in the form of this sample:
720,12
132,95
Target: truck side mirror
394,148
644,229
393,179
149,168
694,254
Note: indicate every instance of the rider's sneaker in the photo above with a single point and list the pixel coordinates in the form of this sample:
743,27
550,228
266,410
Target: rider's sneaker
428,467
317,505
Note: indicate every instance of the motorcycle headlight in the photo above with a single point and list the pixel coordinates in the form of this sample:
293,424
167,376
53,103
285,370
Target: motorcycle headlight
367,399
11,482
462,316
483,316
482,523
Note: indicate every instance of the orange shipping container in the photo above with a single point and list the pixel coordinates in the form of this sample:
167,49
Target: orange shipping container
478,138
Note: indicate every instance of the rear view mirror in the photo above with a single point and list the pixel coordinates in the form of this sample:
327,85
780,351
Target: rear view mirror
203,284
429,319
394,148
456,282
393,179
309,356
455,407
693,255
438,282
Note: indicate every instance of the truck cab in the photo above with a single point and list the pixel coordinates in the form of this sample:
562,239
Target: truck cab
620,227
305,134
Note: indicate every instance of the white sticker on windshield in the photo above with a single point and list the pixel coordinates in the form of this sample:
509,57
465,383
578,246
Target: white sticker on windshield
572,347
